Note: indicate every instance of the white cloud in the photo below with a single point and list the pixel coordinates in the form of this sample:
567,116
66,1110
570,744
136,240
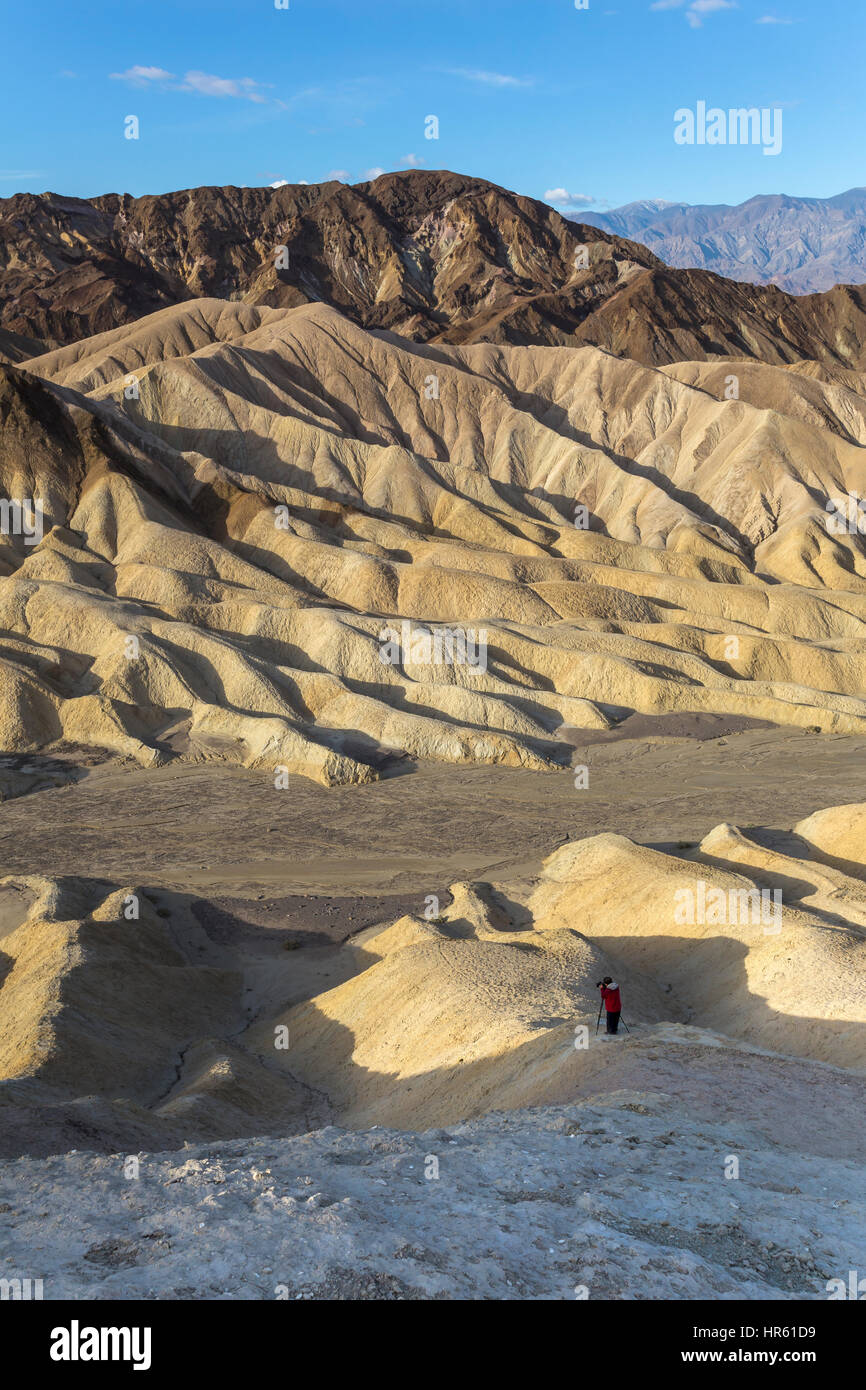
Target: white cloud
374,173
341,174
279,183
140,76
772,19
205,83
412,161
561,198
697,9
488,79
210,86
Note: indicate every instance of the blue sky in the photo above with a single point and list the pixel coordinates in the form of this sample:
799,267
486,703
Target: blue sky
532,94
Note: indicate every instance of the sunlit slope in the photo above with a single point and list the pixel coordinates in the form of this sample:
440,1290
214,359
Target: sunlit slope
242,503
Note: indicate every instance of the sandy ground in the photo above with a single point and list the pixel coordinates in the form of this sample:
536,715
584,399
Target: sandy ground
226,832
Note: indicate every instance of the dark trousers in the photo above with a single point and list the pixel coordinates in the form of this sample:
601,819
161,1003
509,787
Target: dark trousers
613,1020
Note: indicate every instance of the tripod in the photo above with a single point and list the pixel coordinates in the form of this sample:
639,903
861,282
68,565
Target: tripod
598,1020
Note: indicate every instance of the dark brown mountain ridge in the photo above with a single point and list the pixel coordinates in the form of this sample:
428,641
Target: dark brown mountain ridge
433,256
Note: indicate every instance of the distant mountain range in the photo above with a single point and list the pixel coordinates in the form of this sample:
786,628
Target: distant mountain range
803,245
434,256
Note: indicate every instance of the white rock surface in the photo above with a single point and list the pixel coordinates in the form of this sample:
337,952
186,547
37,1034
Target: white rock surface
618,1199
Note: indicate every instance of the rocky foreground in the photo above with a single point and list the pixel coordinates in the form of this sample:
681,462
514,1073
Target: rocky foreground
442,1118
623,1197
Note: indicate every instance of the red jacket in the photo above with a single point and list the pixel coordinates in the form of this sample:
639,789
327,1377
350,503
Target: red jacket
610,995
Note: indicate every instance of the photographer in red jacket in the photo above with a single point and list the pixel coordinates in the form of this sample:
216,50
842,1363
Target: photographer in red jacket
611,1000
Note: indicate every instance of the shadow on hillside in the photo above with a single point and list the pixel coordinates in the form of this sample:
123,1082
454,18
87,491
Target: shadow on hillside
707,981
536,1072
229,449
793,890
787,842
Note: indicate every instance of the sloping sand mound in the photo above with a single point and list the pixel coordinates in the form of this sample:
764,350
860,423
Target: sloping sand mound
485,1007
447,1013
116,1020
839,832
94,998
122,1030
785,972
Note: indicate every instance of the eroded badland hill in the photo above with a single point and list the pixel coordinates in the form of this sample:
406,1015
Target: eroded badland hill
413,630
